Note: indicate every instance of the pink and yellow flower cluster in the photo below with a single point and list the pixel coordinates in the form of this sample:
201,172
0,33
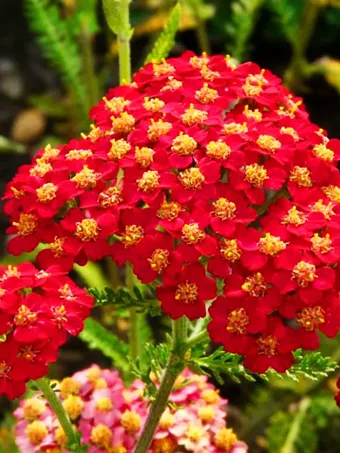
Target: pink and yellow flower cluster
110,417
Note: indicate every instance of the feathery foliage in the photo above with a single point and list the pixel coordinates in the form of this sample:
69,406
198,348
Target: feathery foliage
243,19
155,361
122,299
311,365
97,337
59,48
221,363
166,39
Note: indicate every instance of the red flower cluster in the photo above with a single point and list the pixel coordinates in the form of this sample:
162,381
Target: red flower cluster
199,173
37,311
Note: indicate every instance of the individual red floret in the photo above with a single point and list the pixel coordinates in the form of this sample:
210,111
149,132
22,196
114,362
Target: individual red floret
257,287
232,322
13,373
229,209
135,228
91,230
323,316
302,272
254,178
187,292
27,229
154,258
272,349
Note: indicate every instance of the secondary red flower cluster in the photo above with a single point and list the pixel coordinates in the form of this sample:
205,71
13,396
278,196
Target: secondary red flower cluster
199,173
110,417
37,311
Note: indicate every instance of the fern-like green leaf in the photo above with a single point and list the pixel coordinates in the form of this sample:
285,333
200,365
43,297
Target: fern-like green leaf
243,19
221,363
311,365
123,299
97,337
156,358
289,14
166,39
59,48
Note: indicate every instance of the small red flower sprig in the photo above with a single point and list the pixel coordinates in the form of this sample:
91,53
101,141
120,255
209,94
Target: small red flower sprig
38,309
199,173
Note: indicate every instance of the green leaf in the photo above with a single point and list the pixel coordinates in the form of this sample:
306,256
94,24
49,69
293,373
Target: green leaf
9,145
311,365
123,299
242,22
289,14
166,39
113,14
221,363
155,361
60,48
97,337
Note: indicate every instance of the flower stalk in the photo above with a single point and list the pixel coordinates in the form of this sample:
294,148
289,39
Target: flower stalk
124,37
174,367
73,444
294,431
299,67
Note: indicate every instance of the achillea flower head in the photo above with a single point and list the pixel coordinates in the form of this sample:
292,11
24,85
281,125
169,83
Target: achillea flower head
196,171
113,416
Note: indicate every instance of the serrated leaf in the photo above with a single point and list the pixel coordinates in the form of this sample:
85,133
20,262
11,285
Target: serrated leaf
221,363
97,337
122,299
166,39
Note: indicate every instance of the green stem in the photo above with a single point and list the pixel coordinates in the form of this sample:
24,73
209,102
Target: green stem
289,445
73,441
297,69
134,324
194,339
202,35
124,44
89,73
172,370
199,326
201,29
